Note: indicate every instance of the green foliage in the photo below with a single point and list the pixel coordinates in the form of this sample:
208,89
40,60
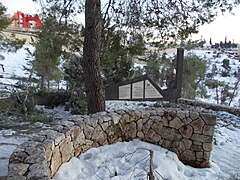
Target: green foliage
48,52
74,76
188,45
153,67
226,66
194,70
160,69
166,20
9,44
117,56
4,21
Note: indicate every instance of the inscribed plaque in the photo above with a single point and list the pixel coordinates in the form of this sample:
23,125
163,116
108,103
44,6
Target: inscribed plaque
125,91
151,91
137,90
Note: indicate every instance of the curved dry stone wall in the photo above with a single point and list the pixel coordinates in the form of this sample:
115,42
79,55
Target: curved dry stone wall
189,134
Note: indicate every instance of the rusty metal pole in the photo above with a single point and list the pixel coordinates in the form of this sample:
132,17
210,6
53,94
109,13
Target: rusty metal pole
179,72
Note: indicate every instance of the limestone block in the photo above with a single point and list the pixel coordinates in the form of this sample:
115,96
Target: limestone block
140,135
38,171
188,155
153,112
99,135
80,140
208,130
66,150
186,131
164,121
166,144
193,115
35,158
176,123
38,138
187,143
157,127
145,114
77,151
196,148
137,115
160,112
92,121
167,115
187,120
88,131
105,125
206,155
146,126
115,117
175,144
125,118
197,143
18,169
197,125
205,164
156,118
207,146
74,132
199,155
151,133
113,132
106,118
48,154
139,124
53,135
18,156
130,131
171,134
156,138
181,114
181,147
56,161
58,139
201,138
209,119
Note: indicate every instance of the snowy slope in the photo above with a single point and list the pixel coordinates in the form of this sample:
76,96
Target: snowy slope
213,57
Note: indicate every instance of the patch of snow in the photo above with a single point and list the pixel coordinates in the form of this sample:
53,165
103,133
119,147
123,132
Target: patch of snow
130,160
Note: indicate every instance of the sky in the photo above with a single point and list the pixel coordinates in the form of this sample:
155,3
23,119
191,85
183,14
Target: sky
224,26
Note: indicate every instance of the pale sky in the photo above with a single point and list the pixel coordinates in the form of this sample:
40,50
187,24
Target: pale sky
224,26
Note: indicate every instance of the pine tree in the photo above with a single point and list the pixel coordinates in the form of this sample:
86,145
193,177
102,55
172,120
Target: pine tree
10,44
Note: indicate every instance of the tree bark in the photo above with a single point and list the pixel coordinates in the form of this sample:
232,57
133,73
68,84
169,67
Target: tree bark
91,57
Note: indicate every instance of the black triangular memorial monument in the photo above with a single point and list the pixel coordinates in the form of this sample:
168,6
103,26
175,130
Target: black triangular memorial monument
144,88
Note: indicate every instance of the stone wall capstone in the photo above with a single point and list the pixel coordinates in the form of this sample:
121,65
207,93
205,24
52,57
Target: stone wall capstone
187,133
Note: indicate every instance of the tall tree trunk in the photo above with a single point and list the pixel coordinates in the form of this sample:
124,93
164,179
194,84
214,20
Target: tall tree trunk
91,57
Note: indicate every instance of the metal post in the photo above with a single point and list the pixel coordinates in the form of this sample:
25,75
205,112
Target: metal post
179,73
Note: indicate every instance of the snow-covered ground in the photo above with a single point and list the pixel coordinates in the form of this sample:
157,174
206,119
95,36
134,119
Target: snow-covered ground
130,160
116,161
8,143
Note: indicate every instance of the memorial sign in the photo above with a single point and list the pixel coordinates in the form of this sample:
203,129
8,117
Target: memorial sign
125,92
144,88
137,90
151,91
